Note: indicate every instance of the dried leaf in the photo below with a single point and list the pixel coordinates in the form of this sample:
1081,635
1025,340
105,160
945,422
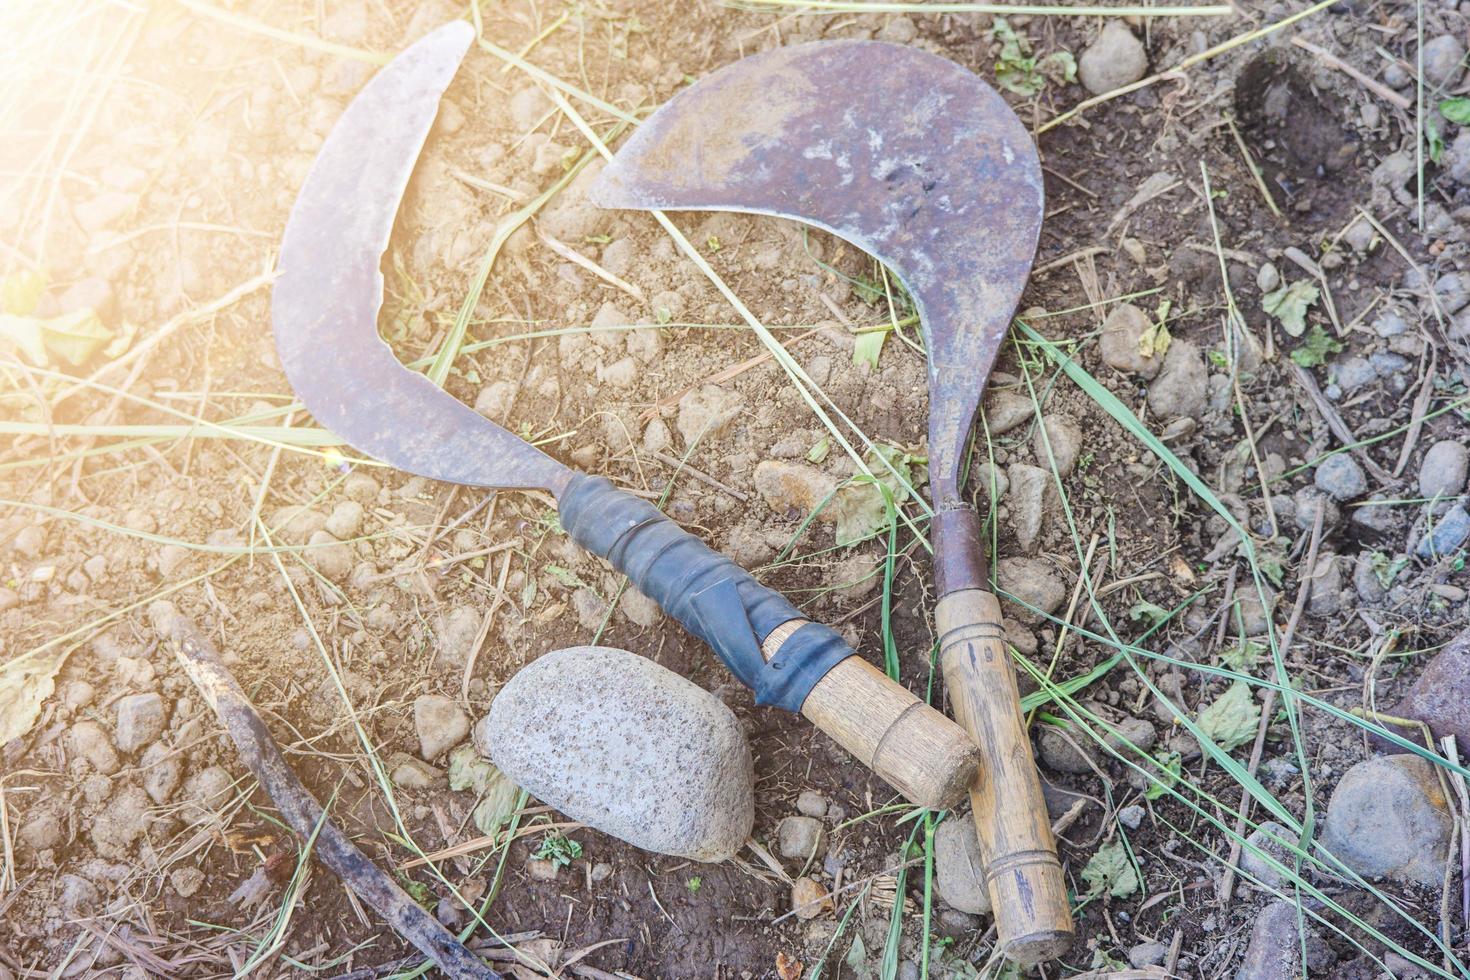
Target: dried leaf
1233,719
252,890
1289,304
21,292
859,509
73,337
787,968
857,959
25,683
497,805
1110,871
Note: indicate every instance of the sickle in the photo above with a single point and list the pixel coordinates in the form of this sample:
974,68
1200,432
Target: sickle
915,160
324,307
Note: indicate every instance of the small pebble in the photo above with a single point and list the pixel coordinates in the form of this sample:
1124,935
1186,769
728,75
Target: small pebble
441,725
799,837
1443,470
1115,59
1387,818
1267,278
1340,477
810,803
1132,816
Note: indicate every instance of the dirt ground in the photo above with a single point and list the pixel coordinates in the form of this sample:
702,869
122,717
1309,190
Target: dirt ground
153,156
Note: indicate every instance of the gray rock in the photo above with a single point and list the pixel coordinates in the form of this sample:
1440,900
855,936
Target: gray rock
1063,437
1131,816
1442,57
89,742
1145,955
527,106
1271,840
441,725
1134,732
1390,323
991,480
1119,343
495,399
1340,477
792,490
800,837
1325,585
666,767
1250,618
345,520
1275,949
29,541
209,788
959,871
1308,501
1388,364
1365,578
1359,235
1456,159
1442,471
330,557
1388,818
810,803
1031,581
455,633
1268,278
1448,532
1377,514
1440,697
1064,748
140,719
1115,59
78,896
1353,373
411,773
640,610
119,825
1182,387
706,411
591,608
162,771
1005,410
1026,503
362,488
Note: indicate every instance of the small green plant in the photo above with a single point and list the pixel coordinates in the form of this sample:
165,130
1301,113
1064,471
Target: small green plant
713,242
1315,350
693,884
1018,70
559,850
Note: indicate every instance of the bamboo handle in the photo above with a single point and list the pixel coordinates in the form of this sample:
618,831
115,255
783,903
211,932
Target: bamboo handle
1027,891
916,749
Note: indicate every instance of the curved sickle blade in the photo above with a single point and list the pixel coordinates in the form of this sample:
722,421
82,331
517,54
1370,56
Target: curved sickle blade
325,302
904,154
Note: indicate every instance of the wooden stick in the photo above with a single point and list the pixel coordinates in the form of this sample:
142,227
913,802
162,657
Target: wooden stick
300,809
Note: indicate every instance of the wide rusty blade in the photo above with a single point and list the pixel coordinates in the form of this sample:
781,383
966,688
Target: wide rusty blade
904,154
325,302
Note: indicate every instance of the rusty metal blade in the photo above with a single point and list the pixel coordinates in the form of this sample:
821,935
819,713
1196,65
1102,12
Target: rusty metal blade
325,302
906,155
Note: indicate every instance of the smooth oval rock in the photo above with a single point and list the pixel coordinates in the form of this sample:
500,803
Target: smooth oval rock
959,871
628,747
1440,697
1388,818
1442,472
1121,342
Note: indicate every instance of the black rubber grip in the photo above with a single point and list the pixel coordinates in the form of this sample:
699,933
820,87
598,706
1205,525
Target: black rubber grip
715,599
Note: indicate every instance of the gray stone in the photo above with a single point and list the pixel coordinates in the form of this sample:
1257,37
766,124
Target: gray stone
1440,697
89,742
1026,503
1308,501
640,610
1377,514
527,106
455,634
1388,818
78,896
1115,59
1442,57
1365,578
1456,159
1064,748
706,411
1145,955
140,719
800,837
1442,471
1131,816
1131,734
1325,585
441,725
1031,581
959,871
1063,437
811,803
1448,532
30,540
1275,949
1268,278
362,488
1182,387
119,825
1119,343
1352,373
666,767
162,772
331,558
1359,235
345,520
1271,840
186,881
1390,323
209,788
792,490
1005,410
411,773
591,608
1340,477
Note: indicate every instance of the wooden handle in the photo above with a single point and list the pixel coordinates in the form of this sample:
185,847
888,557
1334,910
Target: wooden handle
1027,891
916,749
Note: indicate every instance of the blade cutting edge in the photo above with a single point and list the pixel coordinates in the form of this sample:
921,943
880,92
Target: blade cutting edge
325,302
